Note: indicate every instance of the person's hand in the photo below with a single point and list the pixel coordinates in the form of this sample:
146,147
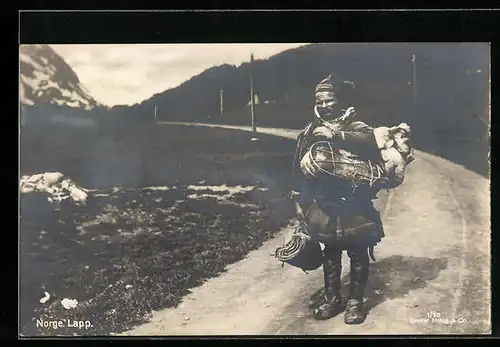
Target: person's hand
324,132
294,195
350,112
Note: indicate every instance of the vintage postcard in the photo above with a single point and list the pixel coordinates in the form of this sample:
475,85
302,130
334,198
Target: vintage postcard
254,189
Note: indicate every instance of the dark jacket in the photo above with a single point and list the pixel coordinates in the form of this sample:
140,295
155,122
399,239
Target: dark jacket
333,206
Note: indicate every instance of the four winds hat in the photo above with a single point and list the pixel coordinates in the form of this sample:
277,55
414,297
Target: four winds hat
327,85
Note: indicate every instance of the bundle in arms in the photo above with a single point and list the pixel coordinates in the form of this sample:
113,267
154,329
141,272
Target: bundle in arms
323,158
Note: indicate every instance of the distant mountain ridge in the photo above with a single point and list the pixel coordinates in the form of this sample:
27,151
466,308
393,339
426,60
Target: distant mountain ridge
382,74
448,114
45,78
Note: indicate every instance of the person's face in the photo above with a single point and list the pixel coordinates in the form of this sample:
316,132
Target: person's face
326,102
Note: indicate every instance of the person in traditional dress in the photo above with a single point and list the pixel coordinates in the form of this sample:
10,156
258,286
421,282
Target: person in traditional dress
334,207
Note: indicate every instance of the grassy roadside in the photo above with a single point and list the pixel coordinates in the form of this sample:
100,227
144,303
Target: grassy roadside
203,199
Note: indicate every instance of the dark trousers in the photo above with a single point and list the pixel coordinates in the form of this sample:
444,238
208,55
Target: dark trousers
332,269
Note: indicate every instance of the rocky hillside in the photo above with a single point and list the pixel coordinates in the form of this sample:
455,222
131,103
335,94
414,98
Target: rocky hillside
45,78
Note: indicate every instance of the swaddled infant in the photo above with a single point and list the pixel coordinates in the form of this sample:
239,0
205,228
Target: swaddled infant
395,148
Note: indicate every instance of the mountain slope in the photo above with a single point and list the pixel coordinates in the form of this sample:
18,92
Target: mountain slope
382,74
45,78
450,116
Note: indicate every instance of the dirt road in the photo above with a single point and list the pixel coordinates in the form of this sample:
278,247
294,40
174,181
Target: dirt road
432,274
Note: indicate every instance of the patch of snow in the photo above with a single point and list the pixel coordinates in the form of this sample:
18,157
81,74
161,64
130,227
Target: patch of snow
45,298
42,79
69,303
161,188
66,93
56,185
28,60
49,84
231,189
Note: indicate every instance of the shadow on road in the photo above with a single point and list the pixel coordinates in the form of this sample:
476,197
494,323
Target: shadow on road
397,275
393,277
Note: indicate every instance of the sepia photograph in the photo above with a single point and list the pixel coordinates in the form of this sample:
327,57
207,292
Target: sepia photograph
261,189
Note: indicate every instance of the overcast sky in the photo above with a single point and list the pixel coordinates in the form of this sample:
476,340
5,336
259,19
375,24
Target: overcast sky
128,74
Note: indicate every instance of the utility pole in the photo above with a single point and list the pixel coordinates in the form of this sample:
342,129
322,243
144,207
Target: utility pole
414,80
221,102
155,112
252,101
413,113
